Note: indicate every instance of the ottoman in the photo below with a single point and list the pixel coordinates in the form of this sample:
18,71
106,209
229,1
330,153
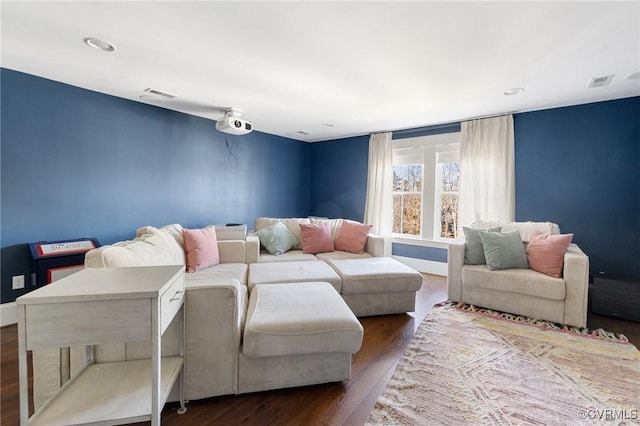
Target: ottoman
377,285
293,272
296,334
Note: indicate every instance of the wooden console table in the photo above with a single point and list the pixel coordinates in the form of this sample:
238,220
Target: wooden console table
105,305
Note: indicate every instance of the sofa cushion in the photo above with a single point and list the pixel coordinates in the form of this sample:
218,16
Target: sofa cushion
200,248
300,318
545,253
342,255
316,238
375,275
221,271
292,272
522,281
503,250
352,237
290,256
292,224
473,248
277,238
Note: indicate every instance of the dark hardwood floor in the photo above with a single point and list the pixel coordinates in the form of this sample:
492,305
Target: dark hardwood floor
346,403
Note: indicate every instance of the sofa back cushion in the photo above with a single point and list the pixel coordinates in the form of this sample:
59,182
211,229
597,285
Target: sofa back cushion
334,225
526,229
172,234
146,250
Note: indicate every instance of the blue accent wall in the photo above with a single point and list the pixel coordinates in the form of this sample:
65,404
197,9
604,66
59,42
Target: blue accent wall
339,172
77,163
579,167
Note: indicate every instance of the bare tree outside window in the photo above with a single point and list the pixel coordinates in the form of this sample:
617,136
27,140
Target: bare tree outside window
449,200
407,198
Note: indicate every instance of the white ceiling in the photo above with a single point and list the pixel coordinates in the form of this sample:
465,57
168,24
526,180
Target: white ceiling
361,66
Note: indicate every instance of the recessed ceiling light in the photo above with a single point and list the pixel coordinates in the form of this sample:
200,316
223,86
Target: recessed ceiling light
513,91
327,124
634,76
96,43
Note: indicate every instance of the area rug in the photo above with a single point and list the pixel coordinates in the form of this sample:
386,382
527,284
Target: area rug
465,366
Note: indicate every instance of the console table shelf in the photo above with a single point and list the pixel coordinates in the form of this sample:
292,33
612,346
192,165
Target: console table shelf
105,305
118,391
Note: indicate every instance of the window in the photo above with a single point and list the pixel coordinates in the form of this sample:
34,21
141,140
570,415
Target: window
407,198
426,176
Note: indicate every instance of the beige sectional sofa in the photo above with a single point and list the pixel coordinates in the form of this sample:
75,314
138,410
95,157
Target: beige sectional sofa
218,304
523,291
370,283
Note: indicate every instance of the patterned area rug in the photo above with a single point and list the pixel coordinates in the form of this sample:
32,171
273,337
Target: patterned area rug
469,366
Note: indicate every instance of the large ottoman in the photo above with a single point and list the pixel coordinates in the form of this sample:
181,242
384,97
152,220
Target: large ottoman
293,272
296,334
377,285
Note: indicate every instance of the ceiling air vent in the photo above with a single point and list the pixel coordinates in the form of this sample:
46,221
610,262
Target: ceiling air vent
159,93
303,133
600,81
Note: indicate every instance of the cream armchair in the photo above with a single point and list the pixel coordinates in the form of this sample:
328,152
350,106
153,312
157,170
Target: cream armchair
523,291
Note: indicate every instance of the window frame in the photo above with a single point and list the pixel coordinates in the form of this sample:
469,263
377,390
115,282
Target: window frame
427,150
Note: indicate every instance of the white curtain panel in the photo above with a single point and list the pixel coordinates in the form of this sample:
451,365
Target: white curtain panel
378,210
487,176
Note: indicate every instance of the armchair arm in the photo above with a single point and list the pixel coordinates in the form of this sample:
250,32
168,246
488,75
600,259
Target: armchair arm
576,278
253,249
455,262
374,245
232,251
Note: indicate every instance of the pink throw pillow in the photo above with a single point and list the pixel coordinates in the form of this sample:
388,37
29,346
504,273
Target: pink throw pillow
316,238
200,248
545,253
352,237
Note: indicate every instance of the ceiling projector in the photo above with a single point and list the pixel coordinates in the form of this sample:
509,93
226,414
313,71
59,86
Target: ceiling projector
234,125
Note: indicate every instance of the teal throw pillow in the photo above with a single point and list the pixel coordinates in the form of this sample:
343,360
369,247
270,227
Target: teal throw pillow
504,250
473,249
277,239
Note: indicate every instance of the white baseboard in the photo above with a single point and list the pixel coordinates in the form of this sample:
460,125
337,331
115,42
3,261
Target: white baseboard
8,314
426,266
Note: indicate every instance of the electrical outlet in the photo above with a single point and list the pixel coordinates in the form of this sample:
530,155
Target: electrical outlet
17,282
